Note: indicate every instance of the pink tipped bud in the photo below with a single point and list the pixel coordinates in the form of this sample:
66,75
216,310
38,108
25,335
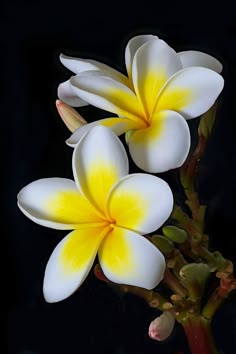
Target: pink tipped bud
162,327
72,119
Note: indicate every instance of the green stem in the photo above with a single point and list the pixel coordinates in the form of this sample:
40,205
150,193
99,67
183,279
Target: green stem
212,305
196,238
227,284
151,297
187,176
174,284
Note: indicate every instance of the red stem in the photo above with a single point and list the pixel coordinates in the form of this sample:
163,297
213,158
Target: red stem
199,336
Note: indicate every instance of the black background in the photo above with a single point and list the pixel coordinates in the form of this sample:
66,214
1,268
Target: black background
95,319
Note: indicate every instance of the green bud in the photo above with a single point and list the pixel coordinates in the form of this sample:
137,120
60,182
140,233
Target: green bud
221,262
194,277
175,234
207,122
164,245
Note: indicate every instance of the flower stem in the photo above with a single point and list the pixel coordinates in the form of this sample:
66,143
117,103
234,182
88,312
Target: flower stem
227,284
189,171
199,335
187,176
214,302
174,284
151,297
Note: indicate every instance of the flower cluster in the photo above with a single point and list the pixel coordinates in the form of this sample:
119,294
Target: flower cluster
163,89
109,210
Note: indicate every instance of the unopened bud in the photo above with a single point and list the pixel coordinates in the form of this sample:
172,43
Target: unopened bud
207,122
221,262
72,119
162,327
194,276
175,234
163,244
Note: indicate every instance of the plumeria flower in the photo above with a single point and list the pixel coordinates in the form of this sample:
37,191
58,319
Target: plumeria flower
162,327
163,89
108,211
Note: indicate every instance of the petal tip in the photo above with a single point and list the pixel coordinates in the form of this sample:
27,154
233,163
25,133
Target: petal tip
50,294
63,57
50,297
70,143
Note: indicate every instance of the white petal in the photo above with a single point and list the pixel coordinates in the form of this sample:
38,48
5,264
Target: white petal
128,258
191,92
106,93
153,64
71,262
67,95
162,146
140,202
78,65
195,58
117,125
56,203
132,46
99,161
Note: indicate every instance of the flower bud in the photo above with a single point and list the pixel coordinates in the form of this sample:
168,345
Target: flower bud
207,122
162,327
221,262
163,244
194,276
72,119
175,234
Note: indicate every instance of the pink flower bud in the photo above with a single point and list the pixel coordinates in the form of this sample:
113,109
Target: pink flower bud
72,119
162,327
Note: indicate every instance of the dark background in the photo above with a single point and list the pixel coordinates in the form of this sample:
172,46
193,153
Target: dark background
96,318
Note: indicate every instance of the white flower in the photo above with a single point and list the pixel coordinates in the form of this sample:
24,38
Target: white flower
108,211
162,90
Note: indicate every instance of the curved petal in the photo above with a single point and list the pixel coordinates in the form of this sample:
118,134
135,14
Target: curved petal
71,262
140,202
191,92
131,48
128,258
67,95
56,203
105,93
154,63
99,161
78,65
195,58
162,146
117,125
